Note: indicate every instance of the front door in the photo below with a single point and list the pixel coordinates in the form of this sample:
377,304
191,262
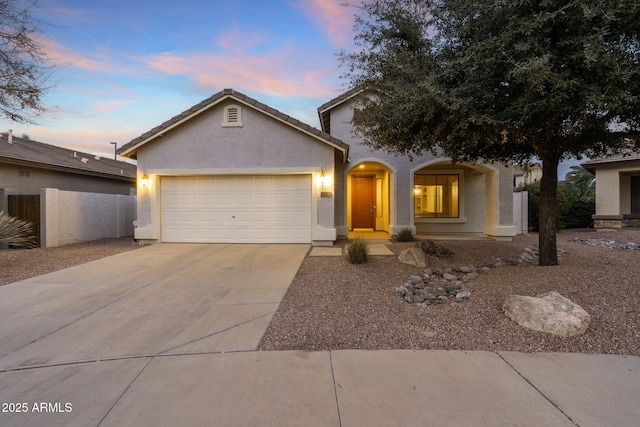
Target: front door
363,202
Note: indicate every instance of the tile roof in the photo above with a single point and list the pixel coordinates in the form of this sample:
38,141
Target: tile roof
324,109
131,147
591,165
38,154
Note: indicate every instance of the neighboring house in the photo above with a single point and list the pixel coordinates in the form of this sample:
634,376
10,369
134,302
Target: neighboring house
231,169
617,191
27,166
528,174
31,170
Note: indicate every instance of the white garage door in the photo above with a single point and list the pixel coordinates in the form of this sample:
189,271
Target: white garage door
236,209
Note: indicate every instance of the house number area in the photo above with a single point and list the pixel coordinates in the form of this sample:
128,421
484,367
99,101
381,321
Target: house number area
41,407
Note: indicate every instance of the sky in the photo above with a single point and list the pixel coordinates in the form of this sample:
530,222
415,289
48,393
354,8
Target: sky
123,66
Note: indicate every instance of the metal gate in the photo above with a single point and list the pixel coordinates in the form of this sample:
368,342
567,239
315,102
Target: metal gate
26,208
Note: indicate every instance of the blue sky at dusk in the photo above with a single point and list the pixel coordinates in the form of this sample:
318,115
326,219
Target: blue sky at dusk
124,67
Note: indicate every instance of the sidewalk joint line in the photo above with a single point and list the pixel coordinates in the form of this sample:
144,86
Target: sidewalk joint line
124,392
538,390
335,388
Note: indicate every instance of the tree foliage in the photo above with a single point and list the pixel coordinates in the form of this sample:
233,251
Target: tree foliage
497,80
24,71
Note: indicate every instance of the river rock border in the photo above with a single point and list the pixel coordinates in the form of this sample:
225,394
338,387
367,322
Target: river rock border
437,287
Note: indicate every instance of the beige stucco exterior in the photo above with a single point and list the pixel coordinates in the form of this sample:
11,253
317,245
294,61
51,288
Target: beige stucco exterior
486,190
613,191
263,145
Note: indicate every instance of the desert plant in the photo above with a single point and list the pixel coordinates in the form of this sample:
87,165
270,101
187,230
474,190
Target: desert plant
16,232
404,235
430,248
358,251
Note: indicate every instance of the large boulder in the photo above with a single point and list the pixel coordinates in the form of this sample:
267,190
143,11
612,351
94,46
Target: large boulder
551,313
413,256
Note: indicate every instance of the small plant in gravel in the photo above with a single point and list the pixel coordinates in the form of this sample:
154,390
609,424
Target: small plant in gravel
404,235
16,232
430,248
358,251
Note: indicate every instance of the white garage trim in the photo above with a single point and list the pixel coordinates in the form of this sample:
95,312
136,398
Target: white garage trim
236,209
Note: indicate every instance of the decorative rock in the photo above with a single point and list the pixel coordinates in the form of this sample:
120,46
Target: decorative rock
413,256
450,276
467,269
550,313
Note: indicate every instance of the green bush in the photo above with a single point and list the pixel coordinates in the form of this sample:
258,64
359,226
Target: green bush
358,251
404,235
570,212
15,232
579,215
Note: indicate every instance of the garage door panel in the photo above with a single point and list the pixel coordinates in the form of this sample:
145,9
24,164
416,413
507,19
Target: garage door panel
237,209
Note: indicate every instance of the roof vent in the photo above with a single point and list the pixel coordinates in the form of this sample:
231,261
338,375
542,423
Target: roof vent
10,136
75,154
84,160
232,116
97,157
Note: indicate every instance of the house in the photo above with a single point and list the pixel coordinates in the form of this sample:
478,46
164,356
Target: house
231,169
28,167
617,191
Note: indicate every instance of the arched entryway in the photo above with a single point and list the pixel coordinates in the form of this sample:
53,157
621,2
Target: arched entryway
369,198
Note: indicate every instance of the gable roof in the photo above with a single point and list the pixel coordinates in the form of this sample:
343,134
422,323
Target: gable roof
130,149
620,159
32,153
324,109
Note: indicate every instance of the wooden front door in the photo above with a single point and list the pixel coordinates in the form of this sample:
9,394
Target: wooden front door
363,202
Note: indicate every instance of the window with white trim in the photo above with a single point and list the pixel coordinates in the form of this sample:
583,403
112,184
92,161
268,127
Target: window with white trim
232,116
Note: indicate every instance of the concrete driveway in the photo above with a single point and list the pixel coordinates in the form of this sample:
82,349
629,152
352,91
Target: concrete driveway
163,336
157,300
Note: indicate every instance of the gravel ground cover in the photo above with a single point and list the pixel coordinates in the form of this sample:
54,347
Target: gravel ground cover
333,304
21,264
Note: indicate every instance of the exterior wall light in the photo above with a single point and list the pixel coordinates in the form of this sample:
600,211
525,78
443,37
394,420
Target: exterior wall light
144,181
324,183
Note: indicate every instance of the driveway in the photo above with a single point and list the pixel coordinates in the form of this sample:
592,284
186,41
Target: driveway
158,300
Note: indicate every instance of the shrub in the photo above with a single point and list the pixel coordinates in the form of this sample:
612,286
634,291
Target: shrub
358,251
563,205
579,215
15,232
430,248
404,235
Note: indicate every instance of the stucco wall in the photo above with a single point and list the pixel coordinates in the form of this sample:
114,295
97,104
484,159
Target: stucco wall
487,194
263,145
72,217
10,178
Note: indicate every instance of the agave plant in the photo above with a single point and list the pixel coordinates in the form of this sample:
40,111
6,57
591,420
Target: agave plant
16,232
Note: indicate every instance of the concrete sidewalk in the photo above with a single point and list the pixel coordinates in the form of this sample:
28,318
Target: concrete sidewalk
166,336
338,388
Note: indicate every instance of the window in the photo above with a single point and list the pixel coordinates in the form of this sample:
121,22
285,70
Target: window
436,196
232,116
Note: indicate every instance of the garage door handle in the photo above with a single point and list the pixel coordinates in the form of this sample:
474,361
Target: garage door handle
233,216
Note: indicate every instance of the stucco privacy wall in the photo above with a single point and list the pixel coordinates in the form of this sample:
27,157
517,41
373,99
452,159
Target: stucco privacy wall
261,146
72,216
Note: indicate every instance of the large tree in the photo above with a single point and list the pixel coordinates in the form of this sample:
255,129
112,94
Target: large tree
24,70
500,80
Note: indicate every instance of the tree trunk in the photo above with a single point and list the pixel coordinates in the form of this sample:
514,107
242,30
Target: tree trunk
547,212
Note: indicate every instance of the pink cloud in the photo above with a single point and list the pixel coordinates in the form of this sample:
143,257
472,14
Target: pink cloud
335,19
63,56
273,74
102,107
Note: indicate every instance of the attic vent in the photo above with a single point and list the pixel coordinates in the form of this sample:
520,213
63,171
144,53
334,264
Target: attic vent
232,116
84,160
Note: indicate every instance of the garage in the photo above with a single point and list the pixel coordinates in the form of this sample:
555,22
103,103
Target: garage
236,209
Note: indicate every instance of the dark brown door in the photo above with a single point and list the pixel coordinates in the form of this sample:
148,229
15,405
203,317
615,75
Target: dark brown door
26,208
363,202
